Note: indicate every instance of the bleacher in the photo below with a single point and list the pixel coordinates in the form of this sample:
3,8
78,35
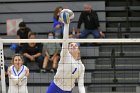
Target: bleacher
99,73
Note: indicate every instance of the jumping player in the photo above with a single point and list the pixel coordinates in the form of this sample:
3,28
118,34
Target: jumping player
18,74
70,67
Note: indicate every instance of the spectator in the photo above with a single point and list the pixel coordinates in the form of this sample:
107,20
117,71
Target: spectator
52,51
91,22
32,52
58,26
22,33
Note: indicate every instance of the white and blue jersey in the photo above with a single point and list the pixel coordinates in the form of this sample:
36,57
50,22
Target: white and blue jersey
69,70
17,80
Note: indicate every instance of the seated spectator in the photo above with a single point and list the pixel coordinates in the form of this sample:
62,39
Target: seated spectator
32,52
52,51
57,26
22,33
91,23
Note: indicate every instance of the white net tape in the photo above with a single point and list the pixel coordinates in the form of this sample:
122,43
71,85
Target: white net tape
134,40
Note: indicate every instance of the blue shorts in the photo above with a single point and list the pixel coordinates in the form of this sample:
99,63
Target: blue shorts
53,88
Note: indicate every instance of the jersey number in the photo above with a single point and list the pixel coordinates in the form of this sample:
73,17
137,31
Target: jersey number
74,71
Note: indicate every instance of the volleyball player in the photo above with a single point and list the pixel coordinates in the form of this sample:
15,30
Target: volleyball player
70,67
18,74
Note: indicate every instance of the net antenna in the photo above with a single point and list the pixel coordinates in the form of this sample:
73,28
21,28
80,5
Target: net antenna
3,83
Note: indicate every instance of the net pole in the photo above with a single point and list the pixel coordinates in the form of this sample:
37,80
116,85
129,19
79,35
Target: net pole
3,83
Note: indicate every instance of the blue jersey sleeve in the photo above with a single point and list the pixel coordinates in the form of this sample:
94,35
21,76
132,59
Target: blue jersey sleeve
56,22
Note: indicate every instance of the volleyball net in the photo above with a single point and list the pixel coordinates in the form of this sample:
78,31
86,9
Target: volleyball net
107,61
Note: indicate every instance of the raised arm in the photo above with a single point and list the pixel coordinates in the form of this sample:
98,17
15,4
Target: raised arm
65,16
65,37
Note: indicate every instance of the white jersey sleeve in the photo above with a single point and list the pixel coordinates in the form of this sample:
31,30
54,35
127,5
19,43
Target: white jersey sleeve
81,82
64,49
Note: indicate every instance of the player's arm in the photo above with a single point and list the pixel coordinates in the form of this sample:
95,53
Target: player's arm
64,49
66,19
27,72
65,44
81,82
15,79
24,76
21,80
12,77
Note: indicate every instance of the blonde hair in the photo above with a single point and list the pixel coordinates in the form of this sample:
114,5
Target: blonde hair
12,61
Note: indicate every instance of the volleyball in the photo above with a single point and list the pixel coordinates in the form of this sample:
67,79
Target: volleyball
66,16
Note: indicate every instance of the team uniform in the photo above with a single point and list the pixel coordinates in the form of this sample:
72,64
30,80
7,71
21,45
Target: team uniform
17,80
69,70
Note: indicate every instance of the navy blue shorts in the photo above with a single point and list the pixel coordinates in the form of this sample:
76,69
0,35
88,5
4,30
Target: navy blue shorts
53,88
